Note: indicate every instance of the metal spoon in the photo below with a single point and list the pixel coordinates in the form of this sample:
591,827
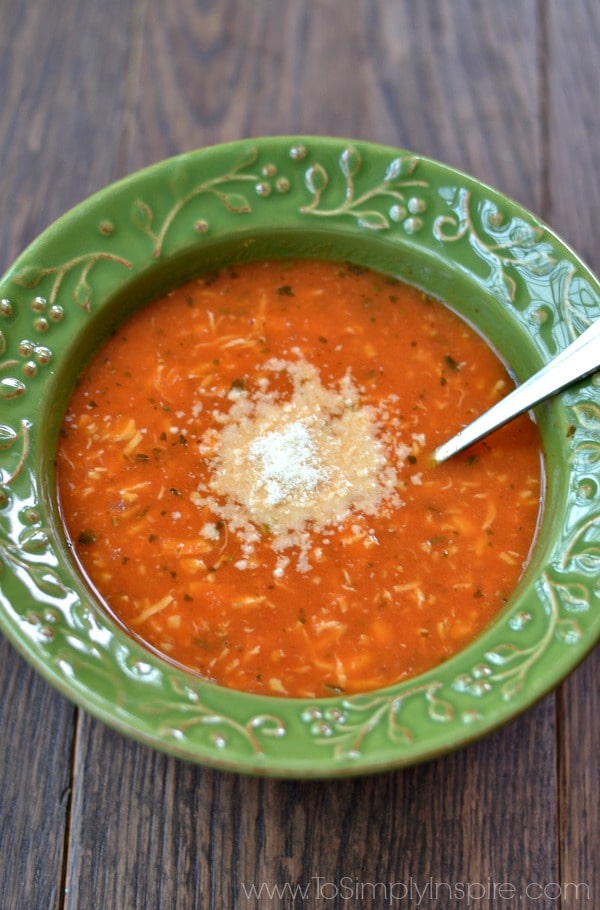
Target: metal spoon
577,361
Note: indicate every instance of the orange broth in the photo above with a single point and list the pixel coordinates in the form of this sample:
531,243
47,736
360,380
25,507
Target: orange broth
245,476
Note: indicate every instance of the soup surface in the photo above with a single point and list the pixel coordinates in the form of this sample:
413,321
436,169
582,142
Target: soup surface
245,475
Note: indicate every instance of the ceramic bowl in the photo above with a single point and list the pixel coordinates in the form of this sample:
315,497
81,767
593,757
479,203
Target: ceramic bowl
381,207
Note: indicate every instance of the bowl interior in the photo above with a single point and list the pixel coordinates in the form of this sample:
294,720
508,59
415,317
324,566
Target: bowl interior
453,286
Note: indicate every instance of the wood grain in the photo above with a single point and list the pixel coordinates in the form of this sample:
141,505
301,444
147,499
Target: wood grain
64,95
36,732
60,129
458,81
573,201
505,91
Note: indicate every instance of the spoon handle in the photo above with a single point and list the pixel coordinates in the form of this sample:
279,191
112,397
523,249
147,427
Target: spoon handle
577,361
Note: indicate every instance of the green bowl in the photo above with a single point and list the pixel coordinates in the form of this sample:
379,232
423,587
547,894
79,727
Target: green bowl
384,208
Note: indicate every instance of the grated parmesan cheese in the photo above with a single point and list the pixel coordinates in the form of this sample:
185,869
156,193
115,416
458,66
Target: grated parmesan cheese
288,462
289,465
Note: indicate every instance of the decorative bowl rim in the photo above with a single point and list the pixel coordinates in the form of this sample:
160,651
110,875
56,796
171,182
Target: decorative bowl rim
387,208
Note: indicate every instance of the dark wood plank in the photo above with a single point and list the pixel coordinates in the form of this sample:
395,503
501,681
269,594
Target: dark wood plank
459,82
571,61
573,201
579,782
238,69
220,840
418,832
64,93
36,743
454,81
60,130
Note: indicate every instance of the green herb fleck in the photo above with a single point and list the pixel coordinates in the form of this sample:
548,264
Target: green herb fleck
451,363
355,269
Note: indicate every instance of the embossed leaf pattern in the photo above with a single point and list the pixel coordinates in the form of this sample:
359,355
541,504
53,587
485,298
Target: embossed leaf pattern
7,436
10,387
438,709
361,204
588,414
192,716
80,265
504,654
11,435
24,544
144,218
350,162
587,454
574,597
236,203
525,236
375,221
83,294
510,662
43,577
503,245
568,631
348,728
582,551
523,246
316,181
141,215
33,540
589,559
400,167
512,686
580,303
30,277
248,158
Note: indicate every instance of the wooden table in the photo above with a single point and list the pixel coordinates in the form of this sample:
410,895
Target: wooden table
90,91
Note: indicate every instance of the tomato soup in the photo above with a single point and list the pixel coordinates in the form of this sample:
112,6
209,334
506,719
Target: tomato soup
245,476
